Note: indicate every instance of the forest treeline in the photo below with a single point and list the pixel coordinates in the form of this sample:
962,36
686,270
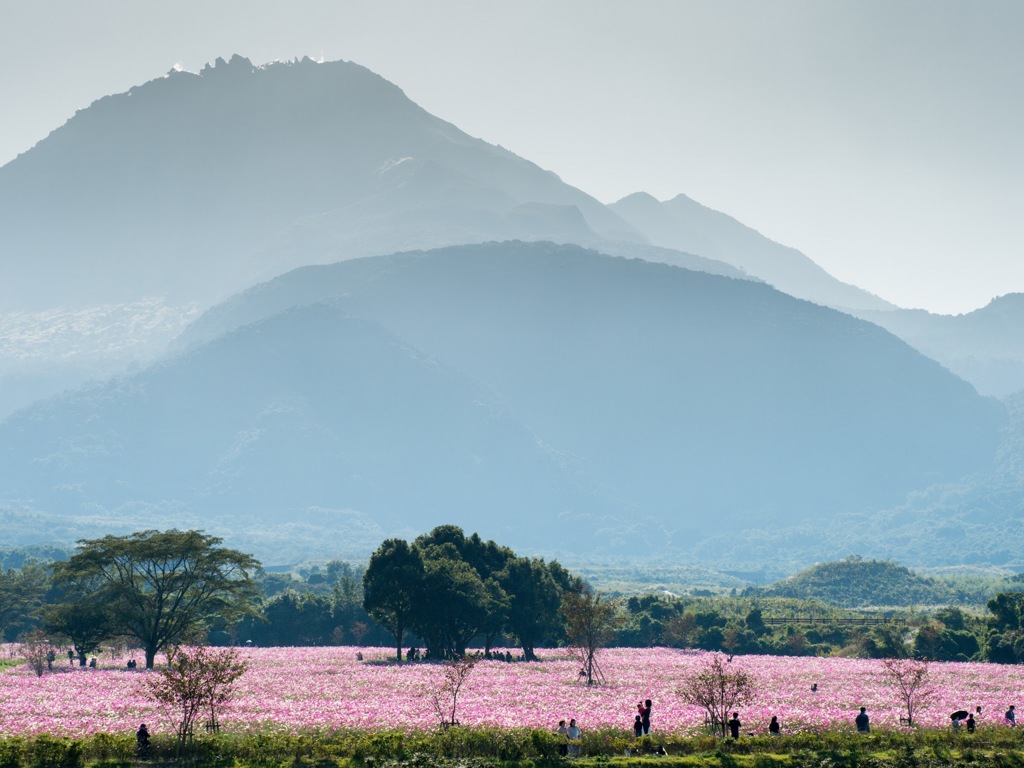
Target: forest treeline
446,592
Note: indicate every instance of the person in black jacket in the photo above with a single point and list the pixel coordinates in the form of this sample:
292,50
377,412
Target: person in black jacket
734,725
142,741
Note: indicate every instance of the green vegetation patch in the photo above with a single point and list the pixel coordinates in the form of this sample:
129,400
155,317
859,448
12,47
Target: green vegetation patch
524,748
855,583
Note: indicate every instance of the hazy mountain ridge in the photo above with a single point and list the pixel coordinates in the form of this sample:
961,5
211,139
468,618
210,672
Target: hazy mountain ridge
686,225
201,184
985,347
191,187
194,186
177,186
659,386
308,410
42,353
971,522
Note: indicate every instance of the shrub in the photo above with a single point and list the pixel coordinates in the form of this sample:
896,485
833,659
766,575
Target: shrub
12,752
51,752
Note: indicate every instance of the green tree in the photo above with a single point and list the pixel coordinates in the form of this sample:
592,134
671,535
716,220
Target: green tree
21,590
164,587
534,602
465,571
82,616
455,607
886,641
1007,609
495,617
392,585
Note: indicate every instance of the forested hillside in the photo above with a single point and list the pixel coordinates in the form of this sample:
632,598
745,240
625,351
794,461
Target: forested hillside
855,582
545,394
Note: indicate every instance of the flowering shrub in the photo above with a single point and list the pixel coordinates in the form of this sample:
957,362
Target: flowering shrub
328,689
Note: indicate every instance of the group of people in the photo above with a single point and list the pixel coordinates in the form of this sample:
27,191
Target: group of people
572,734
642,723
863,722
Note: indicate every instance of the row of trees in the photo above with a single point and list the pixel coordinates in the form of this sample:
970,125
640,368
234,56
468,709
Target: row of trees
156,590
444,590
738,625
450,589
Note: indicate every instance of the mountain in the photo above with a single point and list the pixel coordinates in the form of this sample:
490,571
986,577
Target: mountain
984,347
191,187
546,395
308,412
686,225
194,186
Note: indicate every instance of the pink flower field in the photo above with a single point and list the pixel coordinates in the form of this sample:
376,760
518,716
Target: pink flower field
327,688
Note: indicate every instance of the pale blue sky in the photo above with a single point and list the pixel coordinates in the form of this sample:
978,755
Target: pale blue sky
880,137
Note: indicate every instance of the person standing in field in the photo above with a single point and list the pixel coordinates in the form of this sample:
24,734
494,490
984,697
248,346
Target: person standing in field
142,741
574,738
863,721
645,716
638,727
773,727
1011,717
734,725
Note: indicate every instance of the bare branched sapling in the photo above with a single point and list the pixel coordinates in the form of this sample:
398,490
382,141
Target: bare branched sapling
909,678
445,697
197,682
717,688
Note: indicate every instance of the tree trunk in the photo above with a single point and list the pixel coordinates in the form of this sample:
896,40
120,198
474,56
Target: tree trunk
150,657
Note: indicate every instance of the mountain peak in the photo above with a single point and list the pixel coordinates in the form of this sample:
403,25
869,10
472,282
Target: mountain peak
195,185
237,65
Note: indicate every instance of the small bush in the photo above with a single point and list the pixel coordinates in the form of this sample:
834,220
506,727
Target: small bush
51,752
12,752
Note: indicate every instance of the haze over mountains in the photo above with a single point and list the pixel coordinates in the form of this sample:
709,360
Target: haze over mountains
637,400
432,343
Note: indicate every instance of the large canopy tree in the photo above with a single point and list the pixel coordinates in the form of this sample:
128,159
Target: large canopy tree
454,609
392,584
534,602
164,587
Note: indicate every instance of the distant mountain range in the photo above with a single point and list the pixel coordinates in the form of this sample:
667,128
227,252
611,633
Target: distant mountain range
985,347
191,187
538,393
404,325
685,225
